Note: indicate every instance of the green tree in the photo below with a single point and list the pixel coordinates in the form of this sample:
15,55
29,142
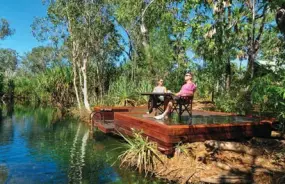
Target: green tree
5,29
87,37
41,58
8,60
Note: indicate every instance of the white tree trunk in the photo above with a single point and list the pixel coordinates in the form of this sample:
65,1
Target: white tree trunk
75,73
84,89
144,32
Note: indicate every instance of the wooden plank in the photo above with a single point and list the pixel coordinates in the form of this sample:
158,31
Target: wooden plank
105,127
147,131
108,112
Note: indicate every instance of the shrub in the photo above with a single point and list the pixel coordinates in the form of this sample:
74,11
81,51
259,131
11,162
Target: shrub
139,153
233,102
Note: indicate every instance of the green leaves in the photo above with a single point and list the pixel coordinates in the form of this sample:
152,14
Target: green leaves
40,59
140,152
8,60
5,29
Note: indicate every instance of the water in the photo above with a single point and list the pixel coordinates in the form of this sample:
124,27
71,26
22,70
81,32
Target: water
35,148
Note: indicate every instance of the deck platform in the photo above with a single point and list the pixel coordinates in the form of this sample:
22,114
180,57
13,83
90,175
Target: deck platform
203,125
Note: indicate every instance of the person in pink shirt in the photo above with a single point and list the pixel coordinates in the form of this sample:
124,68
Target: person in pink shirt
187,89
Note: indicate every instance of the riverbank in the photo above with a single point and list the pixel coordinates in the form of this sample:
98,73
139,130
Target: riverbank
254,161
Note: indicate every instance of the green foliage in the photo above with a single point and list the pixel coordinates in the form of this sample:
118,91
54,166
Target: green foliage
8,60
5,29
183,149
106,39
123,91
1,84
236,102
140,152
269,93
39,59
52,86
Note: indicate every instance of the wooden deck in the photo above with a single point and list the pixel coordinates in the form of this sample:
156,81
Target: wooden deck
167,133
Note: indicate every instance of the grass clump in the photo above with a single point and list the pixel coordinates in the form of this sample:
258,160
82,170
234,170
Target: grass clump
140,153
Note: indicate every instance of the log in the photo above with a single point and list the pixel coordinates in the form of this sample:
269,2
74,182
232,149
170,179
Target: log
268,142
232,146
225,179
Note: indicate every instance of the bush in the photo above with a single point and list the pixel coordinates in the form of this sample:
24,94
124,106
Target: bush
140,153
236,102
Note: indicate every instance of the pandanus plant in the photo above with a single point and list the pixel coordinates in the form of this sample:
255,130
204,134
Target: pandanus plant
139,153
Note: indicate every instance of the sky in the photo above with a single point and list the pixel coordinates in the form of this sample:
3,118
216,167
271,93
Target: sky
20,14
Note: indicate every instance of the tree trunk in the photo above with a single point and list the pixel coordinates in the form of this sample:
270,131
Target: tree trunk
80,78
75,74
228,75
84,88
144,32
254,38
280,18
250,65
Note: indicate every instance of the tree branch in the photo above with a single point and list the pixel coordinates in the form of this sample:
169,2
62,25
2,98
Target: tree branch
262,23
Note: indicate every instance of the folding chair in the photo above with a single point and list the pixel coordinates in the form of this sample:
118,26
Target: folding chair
182,104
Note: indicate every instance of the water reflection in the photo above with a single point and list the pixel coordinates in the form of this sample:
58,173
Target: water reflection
34,149
3,173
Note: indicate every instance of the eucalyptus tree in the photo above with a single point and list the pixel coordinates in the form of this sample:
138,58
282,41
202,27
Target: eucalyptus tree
213,40
144,23
8,60
231,29
8,57
87,29
39,59
8,65
5,29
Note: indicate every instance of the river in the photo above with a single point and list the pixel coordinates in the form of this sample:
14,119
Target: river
35,148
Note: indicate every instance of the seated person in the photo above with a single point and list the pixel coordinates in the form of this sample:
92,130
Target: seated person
187,89
158,89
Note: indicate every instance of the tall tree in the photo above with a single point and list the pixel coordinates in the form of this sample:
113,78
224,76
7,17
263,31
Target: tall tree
5,29
39,59
8,60
89,28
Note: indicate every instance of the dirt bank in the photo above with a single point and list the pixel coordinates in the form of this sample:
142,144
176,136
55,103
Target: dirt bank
255,161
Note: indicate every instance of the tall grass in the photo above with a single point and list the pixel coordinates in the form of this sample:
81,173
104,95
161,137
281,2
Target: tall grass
125,91
140,153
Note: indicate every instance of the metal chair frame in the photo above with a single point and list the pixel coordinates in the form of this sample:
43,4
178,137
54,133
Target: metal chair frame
182,104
